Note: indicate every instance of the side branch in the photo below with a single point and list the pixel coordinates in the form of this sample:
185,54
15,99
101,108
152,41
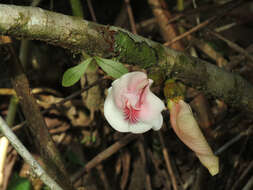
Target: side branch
37,169
80,35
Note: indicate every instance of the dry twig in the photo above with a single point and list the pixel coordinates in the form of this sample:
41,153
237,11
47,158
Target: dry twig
93,15
233,45
144,162
168,31
167,161
194,29
104,155
230,6
131,16
27,156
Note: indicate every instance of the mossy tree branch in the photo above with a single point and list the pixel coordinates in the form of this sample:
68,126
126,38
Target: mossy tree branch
109,41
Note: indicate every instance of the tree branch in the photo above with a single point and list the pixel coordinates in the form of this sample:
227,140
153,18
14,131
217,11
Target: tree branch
37,169
109,41
48,151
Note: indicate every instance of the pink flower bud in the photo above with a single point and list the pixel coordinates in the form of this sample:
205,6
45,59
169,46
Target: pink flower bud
187,129
130,106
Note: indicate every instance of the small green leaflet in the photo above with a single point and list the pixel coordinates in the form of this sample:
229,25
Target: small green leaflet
113,68
72,75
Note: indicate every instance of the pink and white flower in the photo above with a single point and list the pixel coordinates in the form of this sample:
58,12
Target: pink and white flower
130,106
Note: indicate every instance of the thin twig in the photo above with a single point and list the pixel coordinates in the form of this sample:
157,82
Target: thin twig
210,51
249,184
245,172
249,167
103,177
73,95
237,59
126,166
230,143
230,6
226,27
194,29
163,175
233,45
168,31
237,162
131,16
16,127
104,155
144,162
167,161
37,169
92,13
194,11
195,6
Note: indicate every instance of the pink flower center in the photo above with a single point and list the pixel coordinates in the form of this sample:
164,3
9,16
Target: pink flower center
131,112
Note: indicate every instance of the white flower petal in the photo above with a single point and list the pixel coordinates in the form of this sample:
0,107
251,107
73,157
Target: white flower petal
113,115
152,107
157,123
123,84
127,89
157,103
140,127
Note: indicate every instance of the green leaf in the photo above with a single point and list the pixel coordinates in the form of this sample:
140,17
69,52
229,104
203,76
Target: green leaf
113,68
72,75
19,183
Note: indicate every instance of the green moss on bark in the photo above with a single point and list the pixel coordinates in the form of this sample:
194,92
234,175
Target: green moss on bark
130,51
